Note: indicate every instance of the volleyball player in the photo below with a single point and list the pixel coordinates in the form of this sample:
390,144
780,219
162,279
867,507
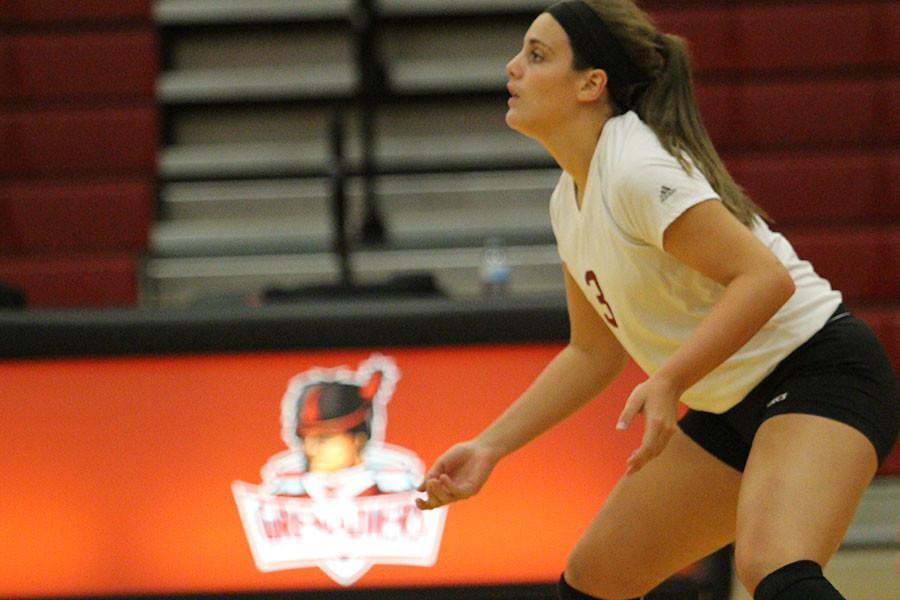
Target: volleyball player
792,400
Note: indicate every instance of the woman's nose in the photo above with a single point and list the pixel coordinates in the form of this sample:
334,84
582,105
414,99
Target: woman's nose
512,66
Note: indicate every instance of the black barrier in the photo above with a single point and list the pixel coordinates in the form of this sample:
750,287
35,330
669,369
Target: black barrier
339,323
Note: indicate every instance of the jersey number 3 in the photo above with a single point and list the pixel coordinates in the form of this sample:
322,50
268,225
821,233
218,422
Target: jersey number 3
591,278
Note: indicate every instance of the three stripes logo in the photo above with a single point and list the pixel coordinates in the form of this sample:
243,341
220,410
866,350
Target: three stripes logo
665,192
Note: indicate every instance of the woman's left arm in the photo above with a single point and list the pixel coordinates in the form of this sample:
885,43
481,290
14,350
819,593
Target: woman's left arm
709,239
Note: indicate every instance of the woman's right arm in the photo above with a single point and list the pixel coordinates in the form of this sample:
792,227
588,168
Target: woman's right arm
592,359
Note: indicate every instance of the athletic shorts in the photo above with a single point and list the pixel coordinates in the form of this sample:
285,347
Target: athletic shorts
842,373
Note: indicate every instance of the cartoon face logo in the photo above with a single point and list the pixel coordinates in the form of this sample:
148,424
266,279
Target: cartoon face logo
334,423
339,497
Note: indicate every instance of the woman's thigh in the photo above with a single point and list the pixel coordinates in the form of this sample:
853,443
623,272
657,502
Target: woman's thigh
803,481
679,508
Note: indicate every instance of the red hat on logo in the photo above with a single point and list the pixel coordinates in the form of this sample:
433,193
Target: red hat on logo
332,407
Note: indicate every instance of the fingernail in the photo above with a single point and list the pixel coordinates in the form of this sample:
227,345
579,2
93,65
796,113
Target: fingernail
621,425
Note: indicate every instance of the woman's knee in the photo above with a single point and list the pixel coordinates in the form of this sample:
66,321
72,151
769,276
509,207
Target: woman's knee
608,577
750,567
754,559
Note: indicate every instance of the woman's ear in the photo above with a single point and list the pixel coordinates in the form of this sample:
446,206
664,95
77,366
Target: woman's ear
593,84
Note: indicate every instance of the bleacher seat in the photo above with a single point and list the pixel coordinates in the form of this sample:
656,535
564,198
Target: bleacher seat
726,39
38,217
85,11
805,114
74,280
78,66
861,262
79,141
828,188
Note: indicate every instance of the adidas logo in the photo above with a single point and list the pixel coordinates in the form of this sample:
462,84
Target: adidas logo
664,193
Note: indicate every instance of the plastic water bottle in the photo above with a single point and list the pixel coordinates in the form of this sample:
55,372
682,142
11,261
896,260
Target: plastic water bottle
494,270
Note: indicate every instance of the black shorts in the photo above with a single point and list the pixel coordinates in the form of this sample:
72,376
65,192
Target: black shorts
842,373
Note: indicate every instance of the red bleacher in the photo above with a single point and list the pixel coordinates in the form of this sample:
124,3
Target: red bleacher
831,188
79,137
844,112
861,262
75,280
76,216
91,12
800,37
89,66
95,141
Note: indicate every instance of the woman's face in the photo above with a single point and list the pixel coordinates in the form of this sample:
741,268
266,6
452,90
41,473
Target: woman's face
542,83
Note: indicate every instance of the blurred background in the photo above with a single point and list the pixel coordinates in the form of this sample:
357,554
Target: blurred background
173,171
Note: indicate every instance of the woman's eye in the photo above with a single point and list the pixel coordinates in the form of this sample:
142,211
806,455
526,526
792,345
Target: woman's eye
535,56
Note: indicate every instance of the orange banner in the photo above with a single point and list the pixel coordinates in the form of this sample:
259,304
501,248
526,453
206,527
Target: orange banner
153,474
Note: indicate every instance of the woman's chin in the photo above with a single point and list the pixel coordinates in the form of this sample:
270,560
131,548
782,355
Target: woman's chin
519,126
513,122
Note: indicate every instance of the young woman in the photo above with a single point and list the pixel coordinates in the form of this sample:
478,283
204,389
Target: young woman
792,400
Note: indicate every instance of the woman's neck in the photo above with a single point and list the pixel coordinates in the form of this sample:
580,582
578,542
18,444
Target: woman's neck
573,147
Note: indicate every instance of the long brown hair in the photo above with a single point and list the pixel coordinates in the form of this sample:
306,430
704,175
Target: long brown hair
667,103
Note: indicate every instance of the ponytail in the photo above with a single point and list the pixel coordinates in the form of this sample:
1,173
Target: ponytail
667,104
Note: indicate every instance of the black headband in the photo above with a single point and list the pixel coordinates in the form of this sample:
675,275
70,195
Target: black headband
591,40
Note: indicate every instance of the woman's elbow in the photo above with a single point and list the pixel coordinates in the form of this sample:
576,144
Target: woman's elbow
783,286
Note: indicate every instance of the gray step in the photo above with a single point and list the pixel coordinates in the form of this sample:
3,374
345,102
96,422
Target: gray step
486,74
197,12
225,238
413,8
311,122
209,219
205,12
421,194
180,281
215,48
249,124
252,159
447,228
406,153
256,84
230,199
338,80
210,65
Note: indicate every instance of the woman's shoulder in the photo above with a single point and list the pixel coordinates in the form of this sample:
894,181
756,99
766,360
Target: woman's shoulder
628,127
627,145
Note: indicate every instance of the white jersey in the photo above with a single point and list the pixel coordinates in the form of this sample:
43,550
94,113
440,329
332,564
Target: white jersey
651,301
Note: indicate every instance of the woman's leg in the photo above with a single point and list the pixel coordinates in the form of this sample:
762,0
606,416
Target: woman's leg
679,508
802,484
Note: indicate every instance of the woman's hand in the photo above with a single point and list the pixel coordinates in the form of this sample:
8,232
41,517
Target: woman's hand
458,474
657,398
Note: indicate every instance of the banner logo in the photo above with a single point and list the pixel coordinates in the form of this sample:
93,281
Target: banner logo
339,498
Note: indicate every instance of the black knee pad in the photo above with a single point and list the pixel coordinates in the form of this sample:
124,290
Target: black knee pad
801,580
567,592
